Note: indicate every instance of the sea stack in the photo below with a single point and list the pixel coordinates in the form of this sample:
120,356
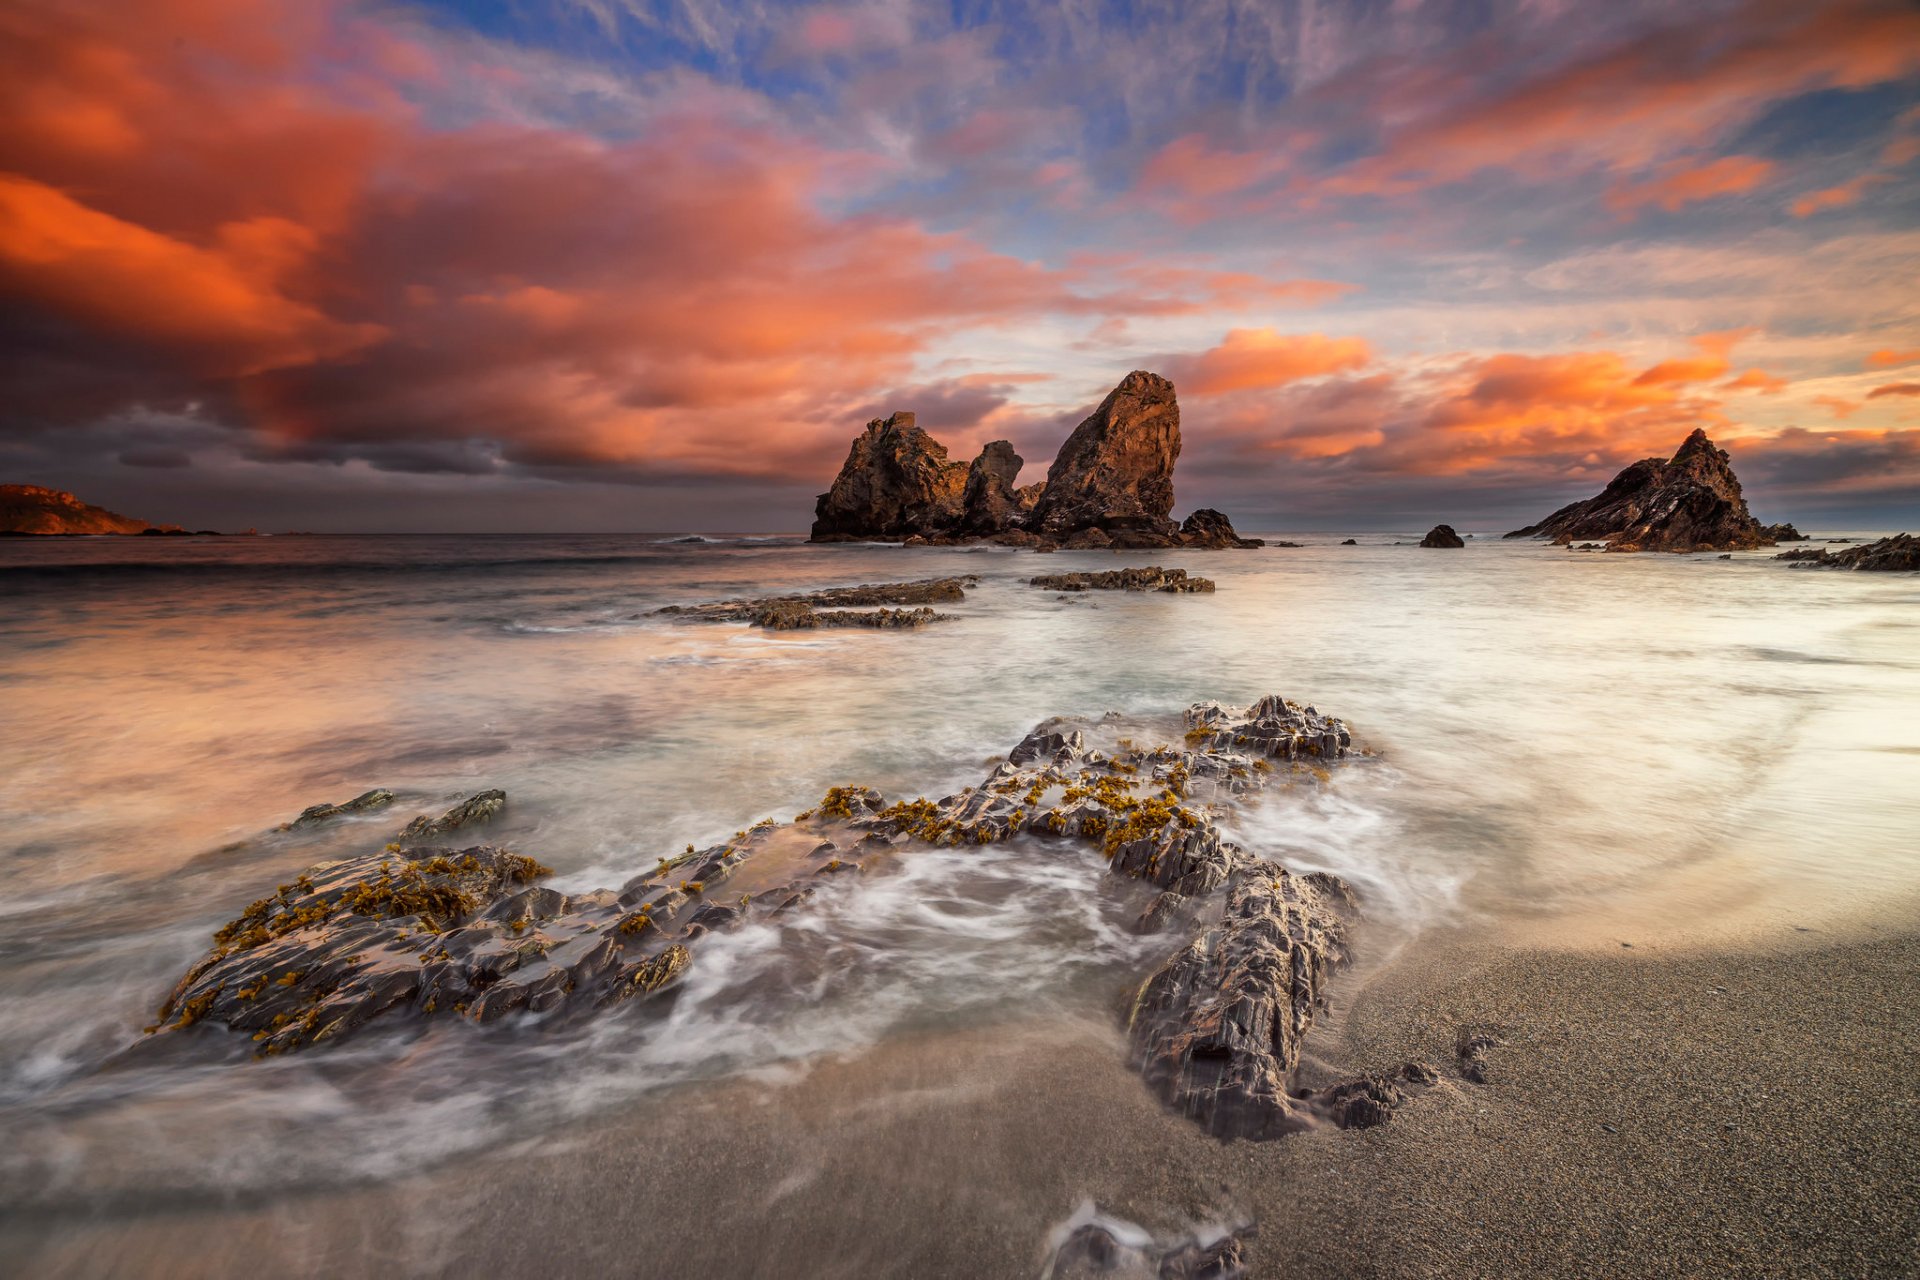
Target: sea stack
1690,502
1110,486
1442,535
897,481
1115,472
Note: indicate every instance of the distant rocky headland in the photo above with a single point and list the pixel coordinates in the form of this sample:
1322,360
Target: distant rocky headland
1110,486
1690,502
31,509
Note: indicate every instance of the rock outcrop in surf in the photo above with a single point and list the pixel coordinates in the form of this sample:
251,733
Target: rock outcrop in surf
1898,554
422,929
1111,485
1690,502
1442,535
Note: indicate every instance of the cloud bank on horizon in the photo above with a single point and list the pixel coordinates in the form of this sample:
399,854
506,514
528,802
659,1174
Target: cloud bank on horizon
651,263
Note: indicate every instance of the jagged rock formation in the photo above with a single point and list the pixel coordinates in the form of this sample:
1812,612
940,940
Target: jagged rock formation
1111,485
1442,535
1785,533
429,930
1147,578
1691,502
1115,472
896,481
30,508
1900,553
837,606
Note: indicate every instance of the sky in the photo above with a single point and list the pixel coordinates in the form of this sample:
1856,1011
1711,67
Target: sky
524,265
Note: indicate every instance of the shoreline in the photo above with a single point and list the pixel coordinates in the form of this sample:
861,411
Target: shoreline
1649,1112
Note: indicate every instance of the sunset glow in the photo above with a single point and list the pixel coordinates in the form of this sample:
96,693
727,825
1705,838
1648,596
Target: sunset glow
624,264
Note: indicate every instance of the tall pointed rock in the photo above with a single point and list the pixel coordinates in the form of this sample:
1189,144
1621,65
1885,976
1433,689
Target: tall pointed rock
1115,472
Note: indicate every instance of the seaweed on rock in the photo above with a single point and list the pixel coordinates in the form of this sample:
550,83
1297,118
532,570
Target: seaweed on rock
1216,1031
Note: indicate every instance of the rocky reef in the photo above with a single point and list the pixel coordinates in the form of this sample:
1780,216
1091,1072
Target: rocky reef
33,509
420,929
1900,553
1111,485
837,606
1442,535
1146,578
1690,502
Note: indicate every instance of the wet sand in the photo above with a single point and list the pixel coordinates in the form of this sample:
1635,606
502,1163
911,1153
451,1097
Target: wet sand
1653,1111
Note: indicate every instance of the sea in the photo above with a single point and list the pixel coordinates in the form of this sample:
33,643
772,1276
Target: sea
1571,749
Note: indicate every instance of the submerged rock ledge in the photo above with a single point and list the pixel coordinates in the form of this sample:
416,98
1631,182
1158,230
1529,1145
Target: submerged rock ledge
421,930
837,606
1145,578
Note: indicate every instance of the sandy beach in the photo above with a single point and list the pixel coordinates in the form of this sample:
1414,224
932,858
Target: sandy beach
1657,1110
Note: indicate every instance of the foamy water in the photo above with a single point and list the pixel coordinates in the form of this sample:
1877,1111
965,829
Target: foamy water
1564,738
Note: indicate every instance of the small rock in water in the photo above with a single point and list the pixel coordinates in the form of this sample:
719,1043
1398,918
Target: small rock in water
314,815
473,810
1442,535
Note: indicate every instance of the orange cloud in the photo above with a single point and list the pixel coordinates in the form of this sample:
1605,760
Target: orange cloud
1683,184
1758,380
221,303
1887,358
1838,406
1262,359
1836,197
1895,389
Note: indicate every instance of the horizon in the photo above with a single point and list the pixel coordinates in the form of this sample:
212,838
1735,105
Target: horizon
456,266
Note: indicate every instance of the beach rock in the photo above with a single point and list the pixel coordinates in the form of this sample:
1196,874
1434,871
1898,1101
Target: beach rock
1785,533
1210,530
1146,578
1350,542
1442,535
35,509
1094,1244
1115,472
989,502
897,481
1217,1031
1897,554
314,815
429,931
1691,502
472,811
